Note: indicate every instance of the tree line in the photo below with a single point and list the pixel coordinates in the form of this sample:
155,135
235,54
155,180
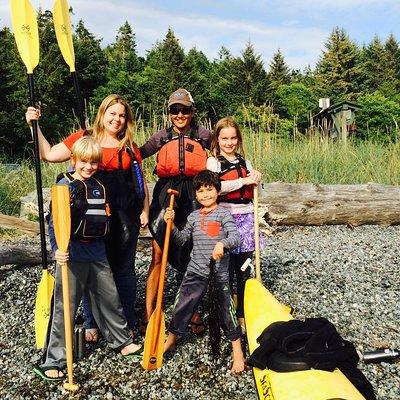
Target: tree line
274,97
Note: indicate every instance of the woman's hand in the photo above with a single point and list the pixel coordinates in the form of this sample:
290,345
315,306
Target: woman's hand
61,257
218,251
169,214
144,219
32,114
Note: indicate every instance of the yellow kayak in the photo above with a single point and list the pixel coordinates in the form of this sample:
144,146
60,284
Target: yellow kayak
261,309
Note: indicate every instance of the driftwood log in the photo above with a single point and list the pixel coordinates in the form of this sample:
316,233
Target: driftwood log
311,204
279,204
21,254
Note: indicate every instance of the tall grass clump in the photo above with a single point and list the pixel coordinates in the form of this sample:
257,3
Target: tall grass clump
21,181
319,160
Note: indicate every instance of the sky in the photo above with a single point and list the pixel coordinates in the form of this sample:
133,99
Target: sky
298,29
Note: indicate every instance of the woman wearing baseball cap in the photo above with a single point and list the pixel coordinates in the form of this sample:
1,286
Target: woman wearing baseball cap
181,154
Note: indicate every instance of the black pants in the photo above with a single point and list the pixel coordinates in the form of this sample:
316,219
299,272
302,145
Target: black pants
191,291
235,263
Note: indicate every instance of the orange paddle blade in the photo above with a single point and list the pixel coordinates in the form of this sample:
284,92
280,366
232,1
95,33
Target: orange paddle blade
154,341
61,211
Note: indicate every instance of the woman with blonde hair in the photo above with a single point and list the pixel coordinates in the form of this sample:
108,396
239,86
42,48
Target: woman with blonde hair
120,171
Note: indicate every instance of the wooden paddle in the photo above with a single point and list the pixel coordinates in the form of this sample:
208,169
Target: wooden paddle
26,35
61,211
256,233
62,27
155,332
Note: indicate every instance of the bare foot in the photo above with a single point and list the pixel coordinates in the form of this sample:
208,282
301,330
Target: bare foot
238,366
130,349
54,373
92,335
170,343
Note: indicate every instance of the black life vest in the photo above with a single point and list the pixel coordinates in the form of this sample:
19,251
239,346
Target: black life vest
125,188
181,155
231,171
89,208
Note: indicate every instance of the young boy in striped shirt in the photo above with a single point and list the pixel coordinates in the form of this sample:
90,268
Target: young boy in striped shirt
213,230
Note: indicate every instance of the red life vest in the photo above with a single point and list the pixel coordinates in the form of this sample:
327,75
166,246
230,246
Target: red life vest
231,171
181,155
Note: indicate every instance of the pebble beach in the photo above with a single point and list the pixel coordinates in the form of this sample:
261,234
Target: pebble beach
350,276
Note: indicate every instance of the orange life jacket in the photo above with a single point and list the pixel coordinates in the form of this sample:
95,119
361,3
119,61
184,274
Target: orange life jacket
181,155
231,171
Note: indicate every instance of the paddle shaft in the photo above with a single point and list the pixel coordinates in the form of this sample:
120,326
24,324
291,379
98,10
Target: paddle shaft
38,175
154,340
78,100
164,258
67,324
256,233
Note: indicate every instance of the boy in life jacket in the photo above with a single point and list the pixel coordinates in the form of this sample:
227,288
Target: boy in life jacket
213,231
181,154
238,179
89,271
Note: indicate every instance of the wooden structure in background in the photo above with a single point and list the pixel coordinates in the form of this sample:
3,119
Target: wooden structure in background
338,120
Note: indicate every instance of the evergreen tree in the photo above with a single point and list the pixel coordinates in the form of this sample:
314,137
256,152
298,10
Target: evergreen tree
224,96
13,99
392,63
279,72
196,78
251,76
91,63
373,68
163,73
123,68
338,71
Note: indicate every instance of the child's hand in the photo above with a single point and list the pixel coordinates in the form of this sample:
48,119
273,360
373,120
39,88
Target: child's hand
218,251
61,257
253,178
169,214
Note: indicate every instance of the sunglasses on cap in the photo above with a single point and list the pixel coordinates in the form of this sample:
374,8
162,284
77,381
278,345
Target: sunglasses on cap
175,109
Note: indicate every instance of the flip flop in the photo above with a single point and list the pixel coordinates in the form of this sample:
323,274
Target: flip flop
40,372
136,356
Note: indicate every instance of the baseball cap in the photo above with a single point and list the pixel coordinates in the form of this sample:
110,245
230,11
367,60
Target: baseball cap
181,96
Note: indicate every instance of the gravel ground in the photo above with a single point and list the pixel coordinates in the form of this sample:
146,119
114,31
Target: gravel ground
350,276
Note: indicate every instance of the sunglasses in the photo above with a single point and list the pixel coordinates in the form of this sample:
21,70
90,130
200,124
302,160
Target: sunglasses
185,110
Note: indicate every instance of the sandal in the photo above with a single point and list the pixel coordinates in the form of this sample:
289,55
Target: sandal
136,356
92,335
197,325
41,373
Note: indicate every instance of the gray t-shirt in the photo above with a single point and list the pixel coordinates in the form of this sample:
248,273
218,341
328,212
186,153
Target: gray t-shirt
206,230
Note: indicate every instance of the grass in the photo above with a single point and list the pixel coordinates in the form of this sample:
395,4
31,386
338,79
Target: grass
19,182
311,159
323,161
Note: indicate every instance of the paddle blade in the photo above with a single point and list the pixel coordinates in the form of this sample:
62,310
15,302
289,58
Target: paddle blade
62,26
42,307
61,211
154,342
26,32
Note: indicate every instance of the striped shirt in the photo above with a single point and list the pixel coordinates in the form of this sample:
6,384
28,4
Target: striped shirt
206,230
